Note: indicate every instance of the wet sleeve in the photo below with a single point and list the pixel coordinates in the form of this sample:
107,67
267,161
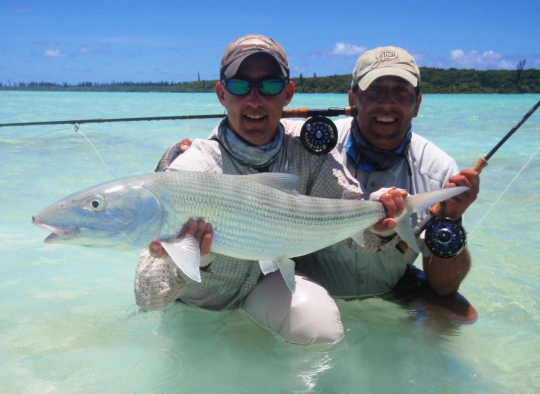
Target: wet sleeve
158,282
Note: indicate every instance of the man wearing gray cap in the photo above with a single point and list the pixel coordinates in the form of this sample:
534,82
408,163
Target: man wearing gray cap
390,161
254,87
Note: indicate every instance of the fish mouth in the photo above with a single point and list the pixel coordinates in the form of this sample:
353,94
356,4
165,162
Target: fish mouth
57,233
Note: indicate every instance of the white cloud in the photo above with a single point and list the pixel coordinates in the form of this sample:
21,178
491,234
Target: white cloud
54,53
473,59
504,64
490,55
345,49
457,54
85,49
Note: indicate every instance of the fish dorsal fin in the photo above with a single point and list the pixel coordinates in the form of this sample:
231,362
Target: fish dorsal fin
277,180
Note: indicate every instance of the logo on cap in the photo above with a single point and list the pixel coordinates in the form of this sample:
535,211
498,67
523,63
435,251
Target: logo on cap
250,43
384,56
254,41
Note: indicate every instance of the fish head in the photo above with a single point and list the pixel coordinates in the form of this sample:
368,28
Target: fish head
117,213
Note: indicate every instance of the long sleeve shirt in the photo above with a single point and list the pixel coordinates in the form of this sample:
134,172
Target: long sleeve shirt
345,269
227,281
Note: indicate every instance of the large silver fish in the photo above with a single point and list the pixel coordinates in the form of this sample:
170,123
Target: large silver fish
255,217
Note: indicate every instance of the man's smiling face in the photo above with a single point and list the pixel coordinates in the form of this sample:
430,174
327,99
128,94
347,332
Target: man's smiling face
255,117
385,110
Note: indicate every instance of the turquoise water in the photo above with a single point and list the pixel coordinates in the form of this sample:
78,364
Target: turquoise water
68,319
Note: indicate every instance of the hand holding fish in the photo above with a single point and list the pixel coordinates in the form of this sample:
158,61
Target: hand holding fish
456,206
394,205
200,230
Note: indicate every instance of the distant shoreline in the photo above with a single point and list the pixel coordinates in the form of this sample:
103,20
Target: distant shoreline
434,80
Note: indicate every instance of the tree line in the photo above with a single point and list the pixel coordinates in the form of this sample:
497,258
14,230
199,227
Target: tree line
434,80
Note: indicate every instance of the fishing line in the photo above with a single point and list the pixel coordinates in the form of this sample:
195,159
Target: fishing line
77,130
445,237
34,136
504,191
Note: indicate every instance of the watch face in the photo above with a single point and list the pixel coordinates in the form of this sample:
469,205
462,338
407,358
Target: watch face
445,237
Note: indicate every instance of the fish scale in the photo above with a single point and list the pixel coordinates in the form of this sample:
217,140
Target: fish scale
268,222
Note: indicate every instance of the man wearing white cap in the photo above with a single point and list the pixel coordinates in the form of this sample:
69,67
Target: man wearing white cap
390,161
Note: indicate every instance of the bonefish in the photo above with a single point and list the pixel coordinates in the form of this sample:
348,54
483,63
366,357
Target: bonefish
255,217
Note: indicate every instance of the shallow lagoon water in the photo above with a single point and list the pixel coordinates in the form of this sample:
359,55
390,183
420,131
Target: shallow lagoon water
69,323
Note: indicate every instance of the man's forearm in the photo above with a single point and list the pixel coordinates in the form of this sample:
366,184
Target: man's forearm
445,275
157,282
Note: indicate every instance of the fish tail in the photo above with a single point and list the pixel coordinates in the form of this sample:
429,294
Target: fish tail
418,203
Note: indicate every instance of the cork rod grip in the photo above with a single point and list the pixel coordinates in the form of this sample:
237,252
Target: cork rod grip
295,113
306,112
437,209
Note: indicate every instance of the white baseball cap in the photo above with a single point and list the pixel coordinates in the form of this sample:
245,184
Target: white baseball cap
384,61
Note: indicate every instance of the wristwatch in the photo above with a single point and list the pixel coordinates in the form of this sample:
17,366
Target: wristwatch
445,237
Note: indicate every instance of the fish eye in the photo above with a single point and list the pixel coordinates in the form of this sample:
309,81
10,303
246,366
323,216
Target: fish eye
96,203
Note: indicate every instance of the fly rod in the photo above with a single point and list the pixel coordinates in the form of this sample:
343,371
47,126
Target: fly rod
446,237
482,162
287,113
508,135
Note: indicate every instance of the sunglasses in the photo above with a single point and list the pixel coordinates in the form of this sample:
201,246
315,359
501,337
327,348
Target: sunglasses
267,87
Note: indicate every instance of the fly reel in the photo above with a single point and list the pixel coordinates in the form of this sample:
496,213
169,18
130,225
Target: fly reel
319,135
445,237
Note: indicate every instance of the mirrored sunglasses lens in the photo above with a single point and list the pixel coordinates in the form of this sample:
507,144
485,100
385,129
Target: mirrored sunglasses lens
271,87
238,87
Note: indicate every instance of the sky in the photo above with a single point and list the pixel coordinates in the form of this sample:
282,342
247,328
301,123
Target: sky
176,41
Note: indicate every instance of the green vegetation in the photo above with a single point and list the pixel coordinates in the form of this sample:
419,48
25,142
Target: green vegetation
434,80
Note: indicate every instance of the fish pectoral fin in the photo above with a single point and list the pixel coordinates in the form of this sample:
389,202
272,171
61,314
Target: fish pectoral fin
186,255
359,238
405,231
268,266
285,266
277,180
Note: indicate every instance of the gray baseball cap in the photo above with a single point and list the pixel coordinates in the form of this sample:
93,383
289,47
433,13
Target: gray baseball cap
238,50
384,61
